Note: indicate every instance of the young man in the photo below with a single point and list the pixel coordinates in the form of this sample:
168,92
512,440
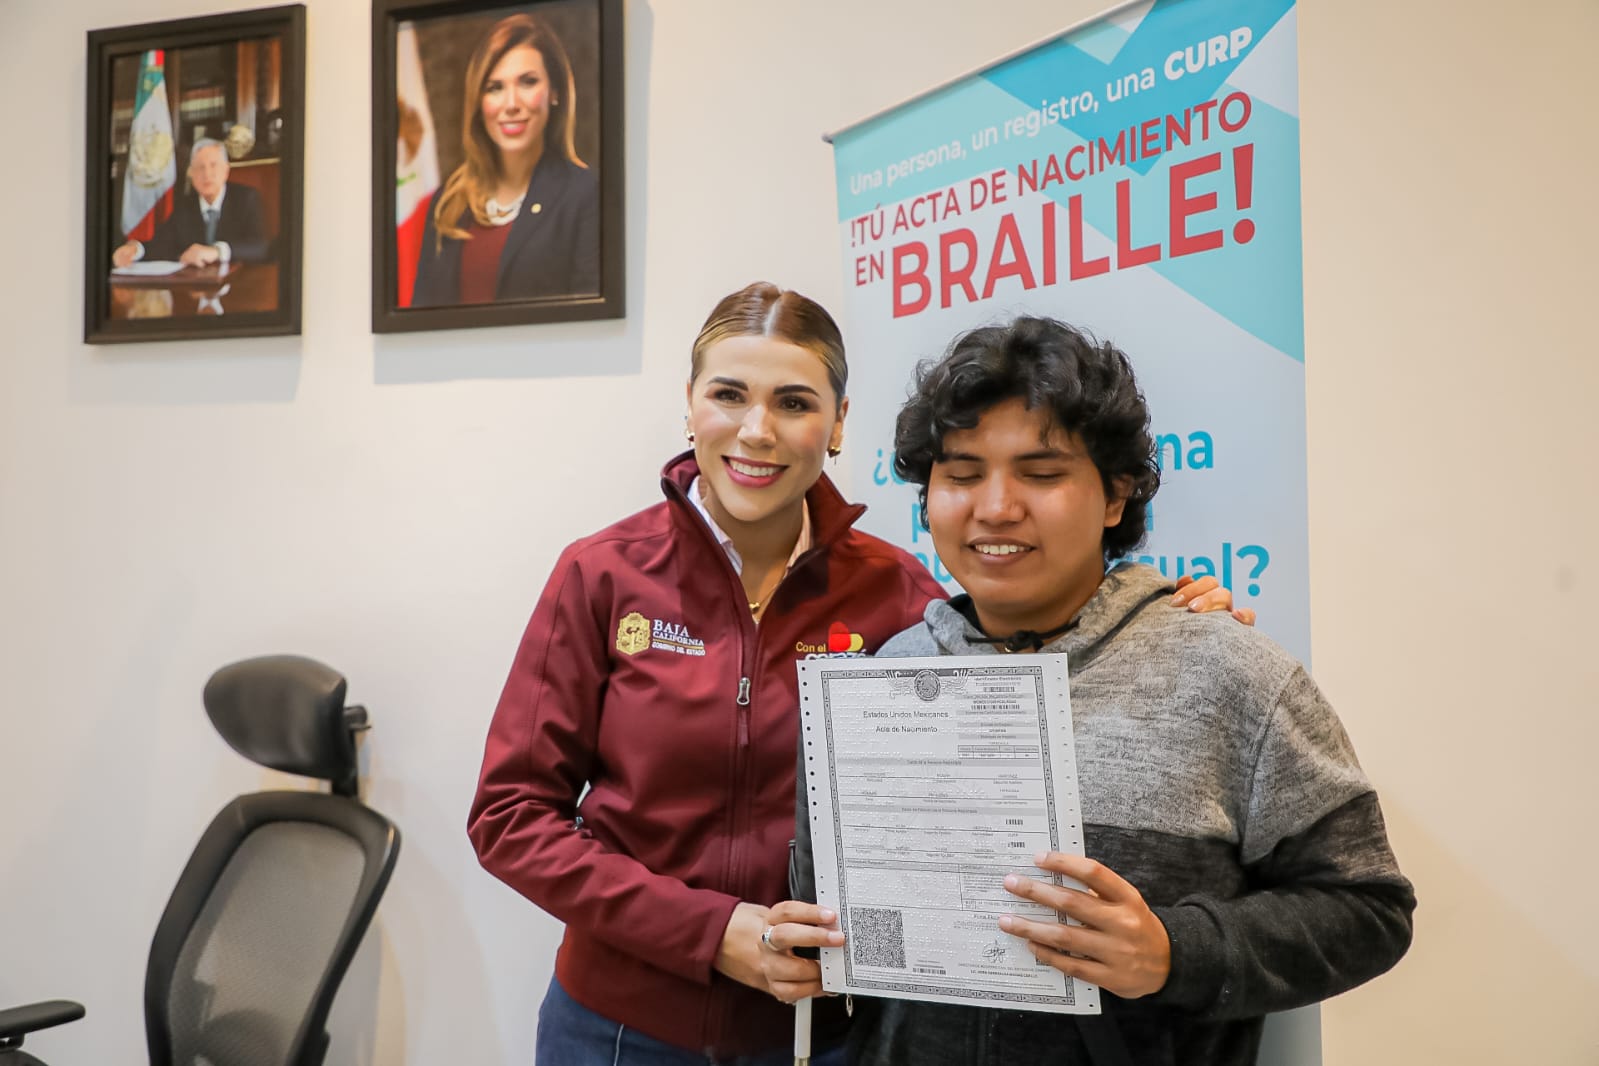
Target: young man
1237,857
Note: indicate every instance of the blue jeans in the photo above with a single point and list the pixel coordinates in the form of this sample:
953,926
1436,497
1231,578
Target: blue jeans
572,1035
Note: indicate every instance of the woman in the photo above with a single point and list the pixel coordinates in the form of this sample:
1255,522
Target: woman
520,218
658,671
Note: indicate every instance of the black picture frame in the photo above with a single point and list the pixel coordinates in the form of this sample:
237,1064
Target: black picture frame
236,78
425,286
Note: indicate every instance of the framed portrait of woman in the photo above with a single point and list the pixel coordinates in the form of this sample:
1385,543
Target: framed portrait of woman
196,132
496,163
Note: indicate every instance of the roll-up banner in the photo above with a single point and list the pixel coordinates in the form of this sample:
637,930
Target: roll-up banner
1137,176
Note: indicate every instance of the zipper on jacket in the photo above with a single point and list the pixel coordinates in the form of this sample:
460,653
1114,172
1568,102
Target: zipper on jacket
743,712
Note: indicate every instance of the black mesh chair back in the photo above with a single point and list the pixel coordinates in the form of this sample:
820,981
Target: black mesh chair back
269,911
268,914
261,928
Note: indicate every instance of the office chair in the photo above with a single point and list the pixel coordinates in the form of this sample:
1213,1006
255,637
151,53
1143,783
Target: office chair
269,911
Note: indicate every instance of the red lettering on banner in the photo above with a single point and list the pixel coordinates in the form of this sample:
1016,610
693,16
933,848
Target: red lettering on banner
959,270
1079,174
1183,205
1244,190
1113,156
1029,180
951,276
1008,238
1149,138
868,268
1243,116
1142,140
1081,268
1176,134
933,207
911,276
1049,242
1126,255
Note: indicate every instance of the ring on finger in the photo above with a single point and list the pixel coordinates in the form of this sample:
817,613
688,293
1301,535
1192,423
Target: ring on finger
766,939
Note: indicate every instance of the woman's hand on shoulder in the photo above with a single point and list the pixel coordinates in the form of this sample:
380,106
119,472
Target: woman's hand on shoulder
1207,594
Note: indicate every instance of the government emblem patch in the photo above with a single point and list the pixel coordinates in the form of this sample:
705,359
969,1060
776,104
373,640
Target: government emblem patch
633,635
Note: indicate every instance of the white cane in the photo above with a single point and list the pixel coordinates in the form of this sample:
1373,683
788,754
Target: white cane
802,1032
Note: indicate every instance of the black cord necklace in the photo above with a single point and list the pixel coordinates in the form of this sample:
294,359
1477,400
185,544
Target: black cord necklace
1025,639
1021,640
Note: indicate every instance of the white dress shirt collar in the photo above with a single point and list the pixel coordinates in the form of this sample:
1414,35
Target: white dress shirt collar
801,546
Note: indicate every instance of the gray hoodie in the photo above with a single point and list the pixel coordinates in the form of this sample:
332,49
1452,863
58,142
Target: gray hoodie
1218,781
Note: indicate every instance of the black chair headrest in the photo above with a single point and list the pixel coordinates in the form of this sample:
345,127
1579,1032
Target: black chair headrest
288,713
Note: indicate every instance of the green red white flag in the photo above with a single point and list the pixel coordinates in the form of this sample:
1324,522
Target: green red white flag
416,160
152,168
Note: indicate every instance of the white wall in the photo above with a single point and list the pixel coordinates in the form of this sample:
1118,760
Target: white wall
392,505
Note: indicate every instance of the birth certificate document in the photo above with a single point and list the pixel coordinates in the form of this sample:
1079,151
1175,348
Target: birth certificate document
929,780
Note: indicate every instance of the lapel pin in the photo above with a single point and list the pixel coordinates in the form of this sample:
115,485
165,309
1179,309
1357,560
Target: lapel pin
536,208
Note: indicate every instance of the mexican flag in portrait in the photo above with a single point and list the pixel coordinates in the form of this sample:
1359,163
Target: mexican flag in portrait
416,170
152,168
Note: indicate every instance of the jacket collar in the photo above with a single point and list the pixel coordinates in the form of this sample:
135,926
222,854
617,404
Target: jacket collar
831,514
545,187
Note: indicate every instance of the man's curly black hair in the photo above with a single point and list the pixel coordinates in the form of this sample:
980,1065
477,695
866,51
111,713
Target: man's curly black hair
1087,387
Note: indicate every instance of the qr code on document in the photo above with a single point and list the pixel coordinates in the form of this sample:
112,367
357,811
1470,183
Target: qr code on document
877,936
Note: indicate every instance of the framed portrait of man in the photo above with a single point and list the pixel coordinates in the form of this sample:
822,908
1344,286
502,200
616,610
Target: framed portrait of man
194,178
497,163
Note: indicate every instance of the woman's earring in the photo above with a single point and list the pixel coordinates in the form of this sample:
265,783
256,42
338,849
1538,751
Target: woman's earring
833,452
688,434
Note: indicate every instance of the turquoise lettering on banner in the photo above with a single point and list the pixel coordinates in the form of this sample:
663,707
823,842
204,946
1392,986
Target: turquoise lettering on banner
896,146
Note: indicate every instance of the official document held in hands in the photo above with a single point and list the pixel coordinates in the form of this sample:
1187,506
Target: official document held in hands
929,780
